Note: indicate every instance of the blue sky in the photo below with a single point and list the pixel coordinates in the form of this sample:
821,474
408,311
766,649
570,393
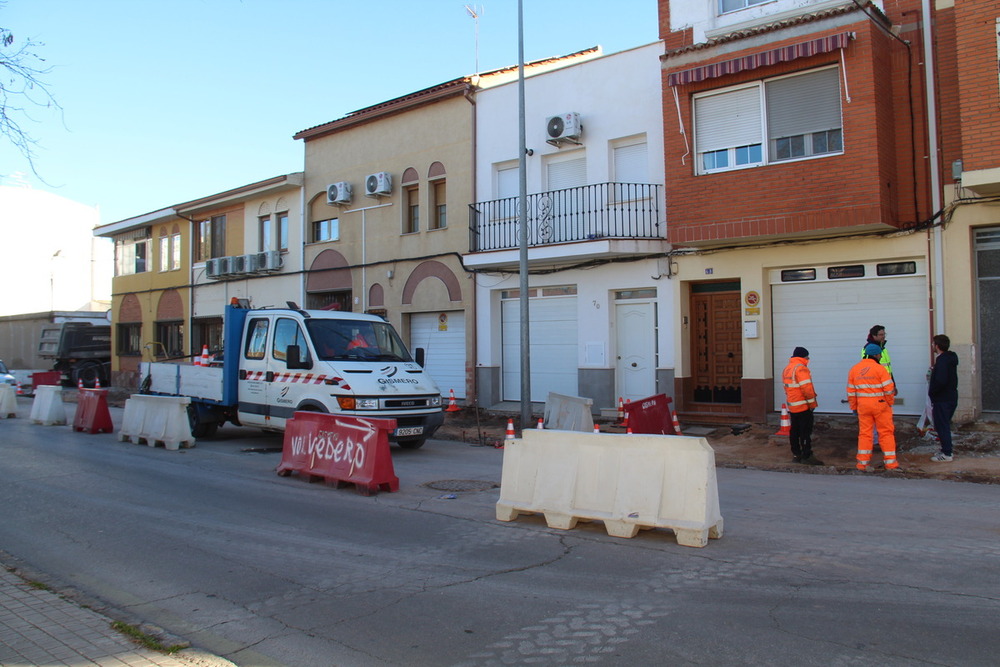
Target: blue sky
173,100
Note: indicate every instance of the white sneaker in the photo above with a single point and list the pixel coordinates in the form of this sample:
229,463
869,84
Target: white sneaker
941,456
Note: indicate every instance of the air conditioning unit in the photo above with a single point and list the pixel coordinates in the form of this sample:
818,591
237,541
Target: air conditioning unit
338,193
237,264
378,184
269,260
212,267
250,263
225,266
565,127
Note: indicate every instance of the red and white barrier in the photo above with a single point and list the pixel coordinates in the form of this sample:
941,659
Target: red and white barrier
92,413
340,449
650,415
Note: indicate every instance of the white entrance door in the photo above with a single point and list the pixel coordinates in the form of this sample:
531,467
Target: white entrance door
553,339
635,356
442,337
831,319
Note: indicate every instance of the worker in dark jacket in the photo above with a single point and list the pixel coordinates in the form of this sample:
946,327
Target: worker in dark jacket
943,392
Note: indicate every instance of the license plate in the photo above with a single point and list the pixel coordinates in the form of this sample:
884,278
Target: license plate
412,430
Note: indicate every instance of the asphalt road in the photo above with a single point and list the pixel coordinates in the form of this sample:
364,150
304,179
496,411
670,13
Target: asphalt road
212,545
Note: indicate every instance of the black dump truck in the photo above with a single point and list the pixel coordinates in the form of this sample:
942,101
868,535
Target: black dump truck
80,351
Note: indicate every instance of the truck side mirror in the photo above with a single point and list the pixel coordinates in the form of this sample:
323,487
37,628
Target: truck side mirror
419,354
293,358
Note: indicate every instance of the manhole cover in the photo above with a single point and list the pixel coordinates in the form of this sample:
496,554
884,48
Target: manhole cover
461,485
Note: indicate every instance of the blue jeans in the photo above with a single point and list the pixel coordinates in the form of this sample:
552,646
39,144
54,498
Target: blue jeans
942,414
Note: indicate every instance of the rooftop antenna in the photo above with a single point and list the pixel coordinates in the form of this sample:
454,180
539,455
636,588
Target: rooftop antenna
475,13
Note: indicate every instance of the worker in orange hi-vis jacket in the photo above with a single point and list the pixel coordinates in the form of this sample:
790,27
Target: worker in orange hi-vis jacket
801,398
871,393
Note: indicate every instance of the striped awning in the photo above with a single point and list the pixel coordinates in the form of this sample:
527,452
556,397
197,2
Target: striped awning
763,59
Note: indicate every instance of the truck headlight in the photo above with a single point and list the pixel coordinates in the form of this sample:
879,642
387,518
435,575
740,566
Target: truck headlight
434,401
350,403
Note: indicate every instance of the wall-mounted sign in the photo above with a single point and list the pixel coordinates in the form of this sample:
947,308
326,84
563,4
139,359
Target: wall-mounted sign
752,298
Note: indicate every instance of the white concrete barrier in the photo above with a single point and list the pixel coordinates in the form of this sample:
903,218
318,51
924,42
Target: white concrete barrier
569,413
47,408
8,401
627,481
157,419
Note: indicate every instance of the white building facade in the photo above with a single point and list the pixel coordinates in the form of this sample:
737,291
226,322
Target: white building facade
600,297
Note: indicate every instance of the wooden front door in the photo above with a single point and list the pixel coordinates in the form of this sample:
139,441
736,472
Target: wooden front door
717,342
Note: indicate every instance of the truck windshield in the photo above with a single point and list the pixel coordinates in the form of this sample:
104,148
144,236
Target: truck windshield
356,340
3,368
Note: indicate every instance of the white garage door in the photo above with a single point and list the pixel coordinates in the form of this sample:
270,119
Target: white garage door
442,336
553,336
831,318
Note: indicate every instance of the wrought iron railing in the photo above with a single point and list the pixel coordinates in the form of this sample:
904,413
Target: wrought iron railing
602,210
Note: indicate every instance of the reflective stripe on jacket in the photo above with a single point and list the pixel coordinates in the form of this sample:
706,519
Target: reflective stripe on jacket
799,390
869,381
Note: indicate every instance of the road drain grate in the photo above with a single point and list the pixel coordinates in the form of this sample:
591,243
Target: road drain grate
455,485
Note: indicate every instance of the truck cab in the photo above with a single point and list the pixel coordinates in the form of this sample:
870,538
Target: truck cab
326,361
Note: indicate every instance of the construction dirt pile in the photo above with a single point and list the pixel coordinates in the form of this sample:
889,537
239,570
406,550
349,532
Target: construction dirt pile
977,445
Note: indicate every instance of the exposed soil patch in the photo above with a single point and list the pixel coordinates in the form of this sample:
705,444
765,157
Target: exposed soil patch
977,445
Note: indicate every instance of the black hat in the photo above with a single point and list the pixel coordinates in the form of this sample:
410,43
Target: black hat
800,352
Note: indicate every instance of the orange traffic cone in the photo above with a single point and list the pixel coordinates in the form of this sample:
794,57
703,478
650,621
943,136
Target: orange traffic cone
79,382
20,389
205,360
97,383
625,421
628,430
541,424
510,429
452,405
677,424
786,422
621,412
597,429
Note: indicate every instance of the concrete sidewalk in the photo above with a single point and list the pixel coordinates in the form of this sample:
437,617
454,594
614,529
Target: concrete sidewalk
39,627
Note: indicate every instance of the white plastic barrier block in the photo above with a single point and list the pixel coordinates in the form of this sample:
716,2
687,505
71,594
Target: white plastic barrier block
629,482
8,401
157,419
48,408
569,413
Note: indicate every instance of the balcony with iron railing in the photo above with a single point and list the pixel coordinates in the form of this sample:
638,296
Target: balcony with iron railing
605,212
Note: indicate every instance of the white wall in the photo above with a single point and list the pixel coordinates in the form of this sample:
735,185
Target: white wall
617,96
51,255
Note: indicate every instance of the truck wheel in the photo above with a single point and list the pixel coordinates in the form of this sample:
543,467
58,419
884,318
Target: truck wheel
88,373
412,444
201,429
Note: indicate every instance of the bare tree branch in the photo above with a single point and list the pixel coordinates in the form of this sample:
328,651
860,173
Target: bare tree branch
21,91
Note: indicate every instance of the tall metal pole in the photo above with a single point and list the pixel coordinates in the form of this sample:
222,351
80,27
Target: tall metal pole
522,203
932,150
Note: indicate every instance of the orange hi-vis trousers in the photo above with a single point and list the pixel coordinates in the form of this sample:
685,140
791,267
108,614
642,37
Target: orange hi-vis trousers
874,414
